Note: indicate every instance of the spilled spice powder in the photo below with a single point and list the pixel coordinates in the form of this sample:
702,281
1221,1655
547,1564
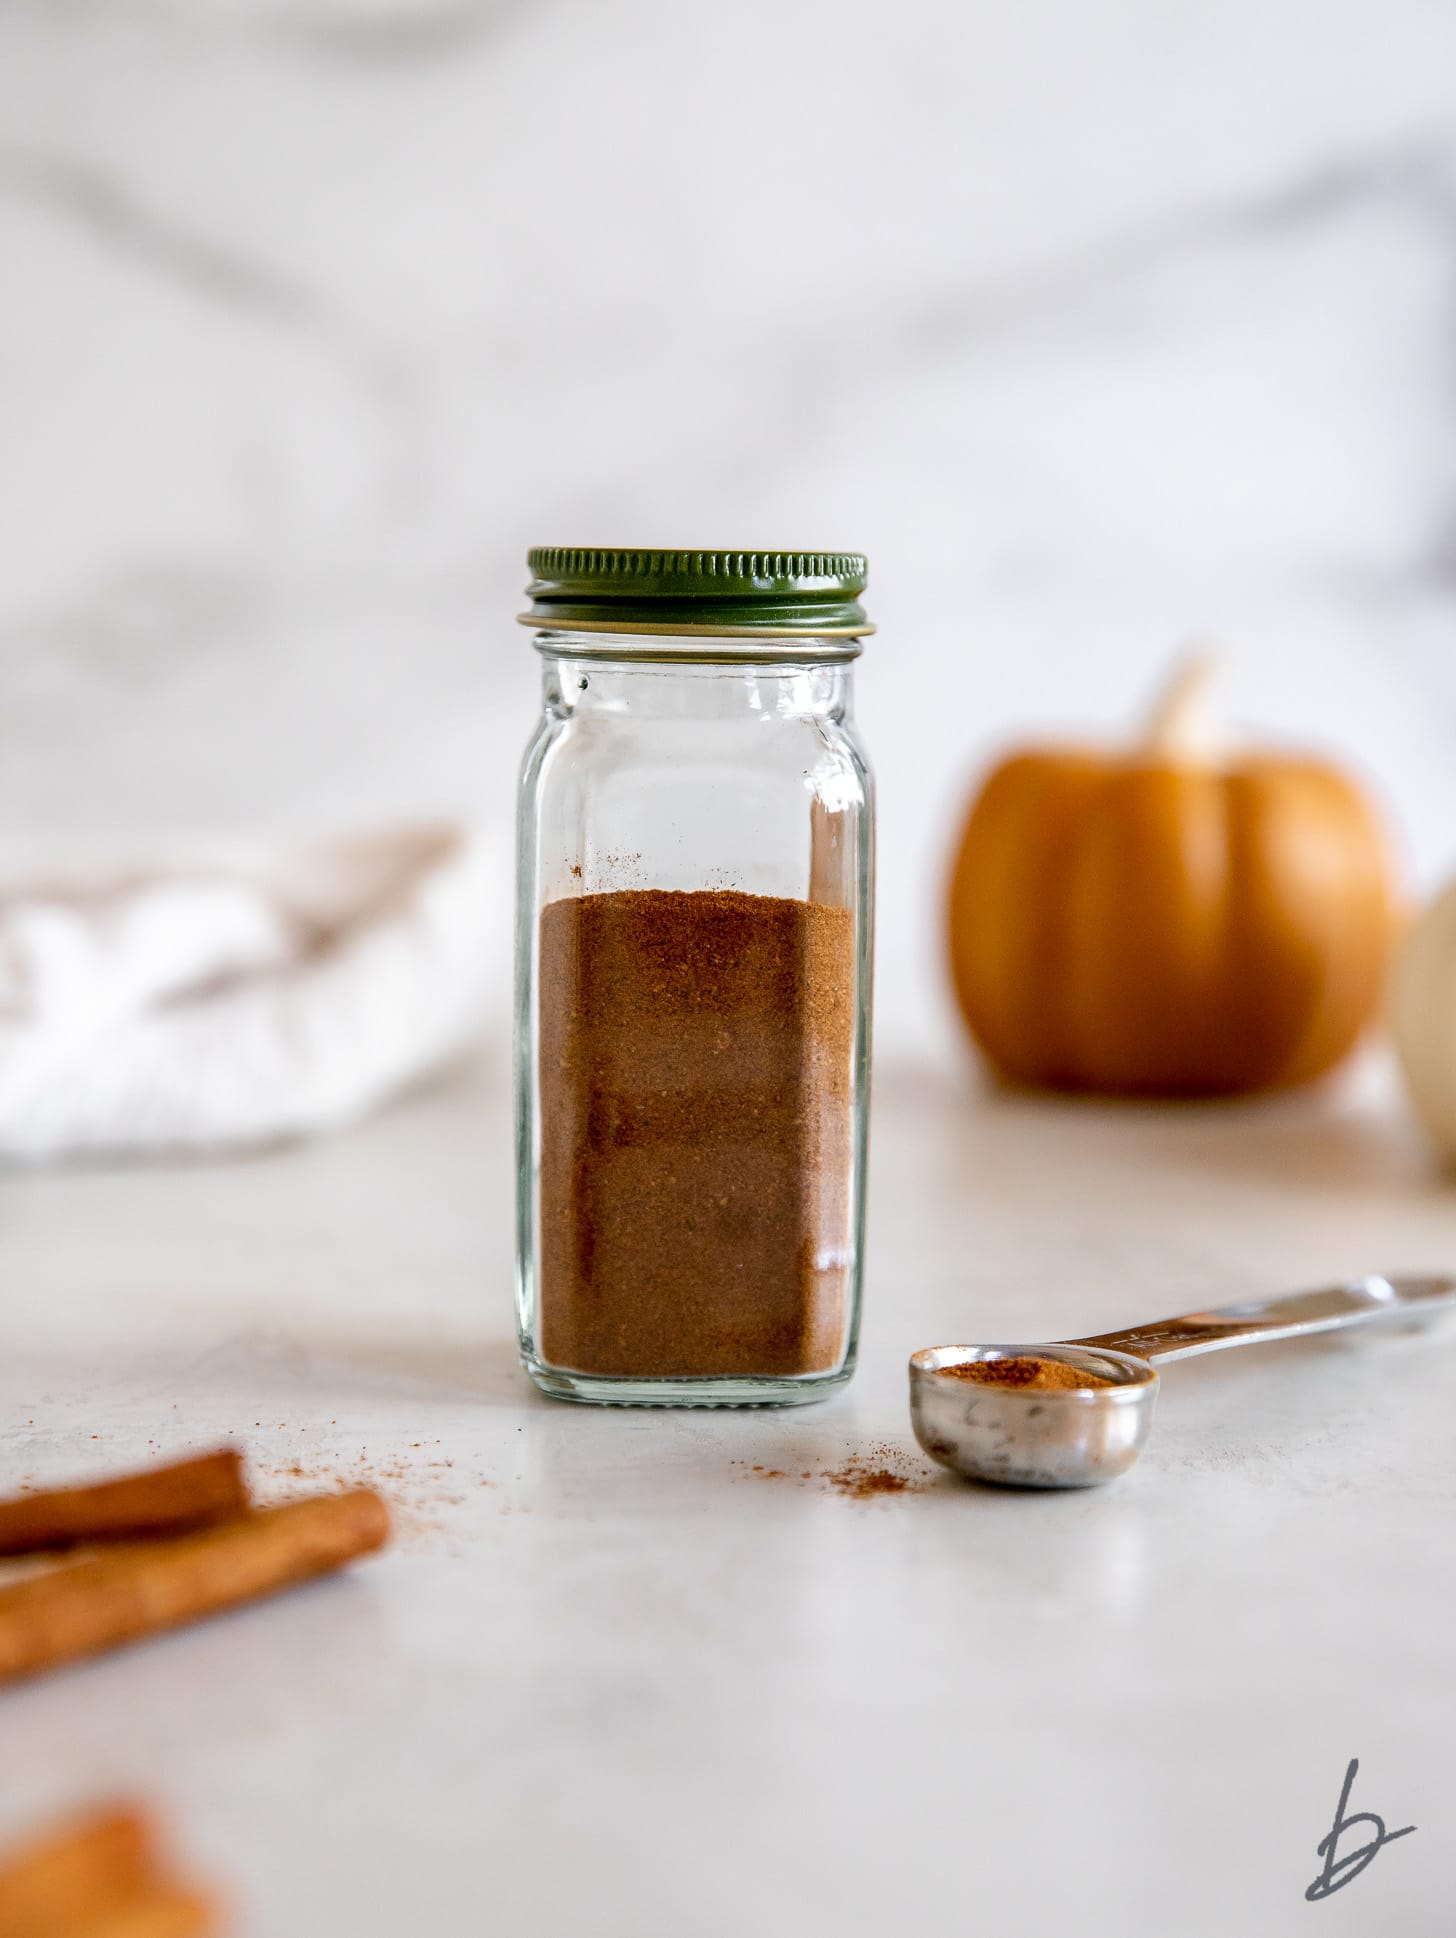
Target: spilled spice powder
696,1069
879,1470
858,1482
1031,1374
882,1468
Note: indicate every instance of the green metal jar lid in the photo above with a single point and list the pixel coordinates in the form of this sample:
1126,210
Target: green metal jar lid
775,595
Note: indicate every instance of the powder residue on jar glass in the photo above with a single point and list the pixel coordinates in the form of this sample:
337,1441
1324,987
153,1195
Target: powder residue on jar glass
1026,1373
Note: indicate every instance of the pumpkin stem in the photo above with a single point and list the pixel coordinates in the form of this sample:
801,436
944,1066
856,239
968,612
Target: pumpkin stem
1184,724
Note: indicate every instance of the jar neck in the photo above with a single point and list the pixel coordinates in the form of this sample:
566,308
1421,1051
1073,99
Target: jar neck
592,682
631,647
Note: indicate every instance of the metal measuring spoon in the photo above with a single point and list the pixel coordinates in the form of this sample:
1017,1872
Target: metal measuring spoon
1080,1436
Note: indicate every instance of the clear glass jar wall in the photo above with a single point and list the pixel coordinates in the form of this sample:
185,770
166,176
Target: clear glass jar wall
693,987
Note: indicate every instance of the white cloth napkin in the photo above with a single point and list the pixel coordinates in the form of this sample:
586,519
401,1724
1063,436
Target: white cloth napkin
236,996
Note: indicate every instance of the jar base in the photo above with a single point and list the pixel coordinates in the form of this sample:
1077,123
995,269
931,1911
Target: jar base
591,1389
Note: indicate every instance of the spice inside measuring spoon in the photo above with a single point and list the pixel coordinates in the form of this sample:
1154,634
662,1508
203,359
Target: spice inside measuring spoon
1027,1371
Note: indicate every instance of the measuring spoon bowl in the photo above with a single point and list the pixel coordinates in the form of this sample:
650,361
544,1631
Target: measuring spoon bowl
1016,1437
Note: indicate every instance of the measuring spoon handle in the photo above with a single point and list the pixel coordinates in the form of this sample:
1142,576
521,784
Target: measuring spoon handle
1354,1304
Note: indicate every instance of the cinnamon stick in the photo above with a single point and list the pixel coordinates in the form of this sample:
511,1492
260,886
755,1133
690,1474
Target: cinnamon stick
76,1874
184,1494
88,1606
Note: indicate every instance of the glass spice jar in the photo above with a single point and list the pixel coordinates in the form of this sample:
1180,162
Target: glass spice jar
694,883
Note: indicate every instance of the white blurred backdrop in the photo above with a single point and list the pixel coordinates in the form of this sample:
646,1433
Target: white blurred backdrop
1097,323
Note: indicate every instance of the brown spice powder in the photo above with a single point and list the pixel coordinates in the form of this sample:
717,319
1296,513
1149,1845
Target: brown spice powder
884,1469
1031,1374
696,1052
859,1483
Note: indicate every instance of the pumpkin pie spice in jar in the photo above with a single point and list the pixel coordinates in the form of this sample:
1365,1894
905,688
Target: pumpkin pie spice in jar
693,978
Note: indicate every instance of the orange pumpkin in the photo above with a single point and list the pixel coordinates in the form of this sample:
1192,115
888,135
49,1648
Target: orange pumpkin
1167,922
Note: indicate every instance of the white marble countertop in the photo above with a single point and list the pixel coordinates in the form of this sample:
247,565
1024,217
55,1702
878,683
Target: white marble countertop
610,1681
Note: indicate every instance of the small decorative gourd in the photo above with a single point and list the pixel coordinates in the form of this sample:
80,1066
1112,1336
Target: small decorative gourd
1423,1016
1169,920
